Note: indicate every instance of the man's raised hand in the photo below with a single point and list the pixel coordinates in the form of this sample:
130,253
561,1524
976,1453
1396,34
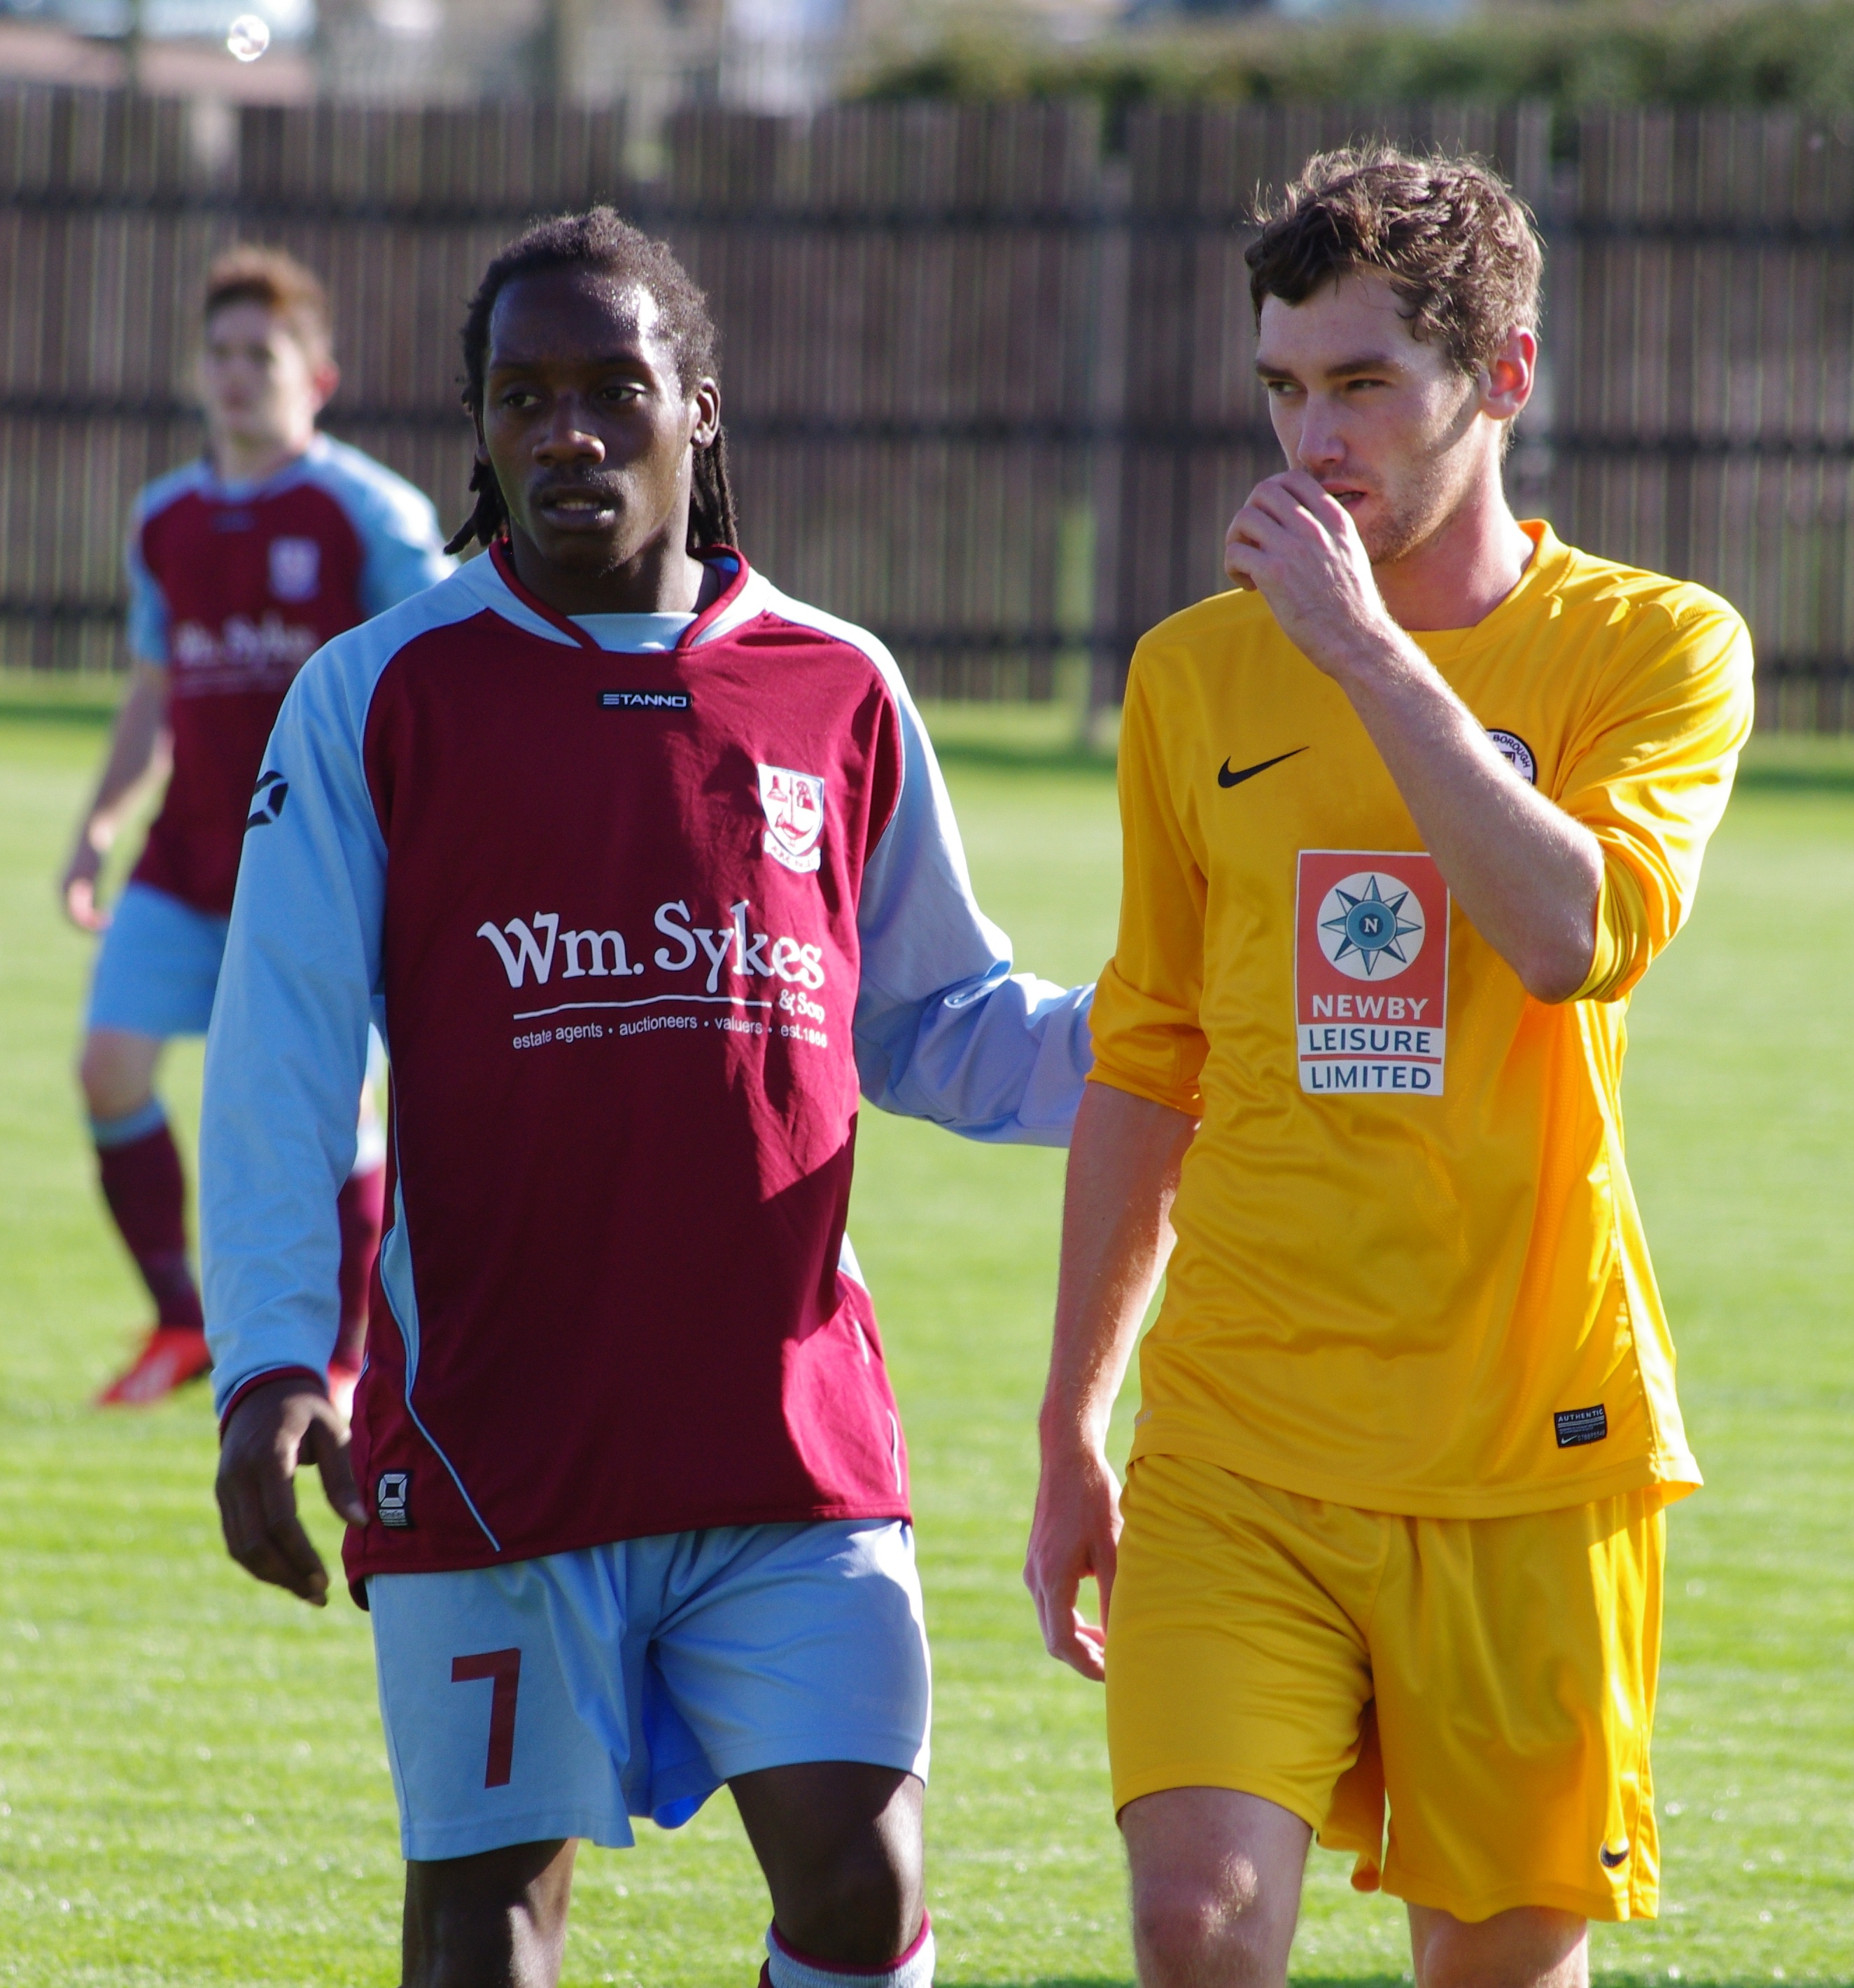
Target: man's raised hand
1075,1534
273,1429
1297,545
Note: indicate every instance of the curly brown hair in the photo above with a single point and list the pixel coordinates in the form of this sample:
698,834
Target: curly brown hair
1454,241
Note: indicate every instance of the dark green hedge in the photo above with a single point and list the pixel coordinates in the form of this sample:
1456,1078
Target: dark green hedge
1769,52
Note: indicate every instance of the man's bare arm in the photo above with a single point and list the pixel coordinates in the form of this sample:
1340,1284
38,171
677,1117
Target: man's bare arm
134,747
1527,875
1123,1165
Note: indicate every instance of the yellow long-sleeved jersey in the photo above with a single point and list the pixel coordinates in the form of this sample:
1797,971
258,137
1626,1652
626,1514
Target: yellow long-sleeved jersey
1410,1275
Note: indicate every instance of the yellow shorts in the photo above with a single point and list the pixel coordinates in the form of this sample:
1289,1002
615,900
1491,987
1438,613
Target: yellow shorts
1494,1678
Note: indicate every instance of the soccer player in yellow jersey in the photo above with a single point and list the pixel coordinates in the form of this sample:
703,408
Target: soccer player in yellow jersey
1406,816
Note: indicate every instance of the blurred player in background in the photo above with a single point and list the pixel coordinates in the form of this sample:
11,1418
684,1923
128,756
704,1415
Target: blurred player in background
241,564
644,869
1406,818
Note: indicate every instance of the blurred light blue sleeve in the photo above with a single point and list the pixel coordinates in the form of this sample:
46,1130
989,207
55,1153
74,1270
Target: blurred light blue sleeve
402,544
945,1030
146,624
288,1047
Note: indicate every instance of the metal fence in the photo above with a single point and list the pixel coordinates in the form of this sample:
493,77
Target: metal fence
987,380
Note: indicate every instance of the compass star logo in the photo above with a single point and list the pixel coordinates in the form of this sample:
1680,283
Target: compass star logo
1370,926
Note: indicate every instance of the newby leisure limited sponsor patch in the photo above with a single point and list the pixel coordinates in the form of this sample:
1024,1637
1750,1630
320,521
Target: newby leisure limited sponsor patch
1370,973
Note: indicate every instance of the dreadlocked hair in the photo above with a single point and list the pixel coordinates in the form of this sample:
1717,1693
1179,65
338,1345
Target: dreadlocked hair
599,239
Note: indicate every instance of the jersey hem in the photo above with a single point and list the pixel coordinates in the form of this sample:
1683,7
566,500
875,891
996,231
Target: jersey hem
1675,1478
361,1566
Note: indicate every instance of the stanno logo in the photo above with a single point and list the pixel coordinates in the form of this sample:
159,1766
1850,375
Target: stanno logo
794,805
295,569
643,700
267,800
393,1499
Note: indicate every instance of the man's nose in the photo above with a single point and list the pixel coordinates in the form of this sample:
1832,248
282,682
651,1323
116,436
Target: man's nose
569,436
1320,445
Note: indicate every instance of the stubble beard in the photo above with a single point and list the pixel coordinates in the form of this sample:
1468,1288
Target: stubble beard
1438,485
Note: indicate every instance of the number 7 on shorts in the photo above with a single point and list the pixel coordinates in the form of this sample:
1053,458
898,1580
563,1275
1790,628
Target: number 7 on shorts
504,1668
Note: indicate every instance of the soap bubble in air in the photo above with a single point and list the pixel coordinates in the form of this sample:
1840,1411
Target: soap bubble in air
248,37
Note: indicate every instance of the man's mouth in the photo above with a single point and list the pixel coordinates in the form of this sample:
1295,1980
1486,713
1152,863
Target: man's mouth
577,505
1347,494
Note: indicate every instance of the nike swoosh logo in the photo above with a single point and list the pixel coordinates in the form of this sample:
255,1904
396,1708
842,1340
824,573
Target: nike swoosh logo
1226,779
1612,1860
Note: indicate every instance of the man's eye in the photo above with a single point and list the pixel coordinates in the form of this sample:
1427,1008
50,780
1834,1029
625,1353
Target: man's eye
1281,389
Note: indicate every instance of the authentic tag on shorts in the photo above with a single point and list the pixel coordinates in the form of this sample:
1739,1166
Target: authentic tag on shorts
1370,973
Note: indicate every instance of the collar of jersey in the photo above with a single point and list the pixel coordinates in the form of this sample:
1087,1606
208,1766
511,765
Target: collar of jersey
739,601
1545,571
293,472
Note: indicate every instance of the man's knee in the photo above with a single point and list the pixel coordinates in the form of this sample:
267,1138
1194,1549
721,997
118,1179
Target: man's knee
840,1844
859,1907
1528,1947
494,1921
1189,1929
1216,1886
115,1072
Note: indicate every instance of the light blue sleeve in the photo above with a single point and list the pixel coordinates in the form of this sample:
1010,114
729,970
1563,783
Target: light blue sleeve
945,1030
146,625
287,1047
402,546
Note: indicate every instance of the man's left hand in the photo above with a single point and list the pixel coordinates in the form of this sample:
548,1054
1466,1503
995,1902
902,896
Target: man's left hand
1298,548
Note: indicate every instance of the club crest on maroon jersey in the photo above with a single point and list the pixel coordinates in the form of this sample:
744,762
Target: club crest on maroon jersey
295,568
794,805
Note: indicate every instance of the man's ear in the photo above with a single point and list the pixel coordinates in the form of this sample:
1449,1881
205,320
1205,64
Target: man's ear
1507,379
706,400
325,377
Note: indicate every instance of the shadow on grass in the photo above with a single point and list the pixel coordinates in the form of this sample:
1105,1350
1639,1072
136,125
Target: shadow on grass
89,715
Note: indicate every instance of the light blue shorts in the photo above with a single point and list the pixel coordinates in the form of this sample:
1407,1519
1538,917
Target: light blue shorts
157,966
559,1697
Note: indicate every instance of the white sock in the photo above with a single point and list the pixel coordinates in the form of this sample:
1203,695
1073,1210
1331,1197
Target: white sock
912,1970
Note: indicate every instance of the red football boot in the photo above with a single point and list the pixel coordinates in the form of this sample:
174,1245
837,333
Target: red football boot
170,1356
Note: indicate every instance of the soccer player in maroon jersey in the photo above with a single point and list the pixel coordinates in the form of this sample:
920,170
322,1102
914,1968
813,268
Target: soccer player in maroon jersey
241,564
645,869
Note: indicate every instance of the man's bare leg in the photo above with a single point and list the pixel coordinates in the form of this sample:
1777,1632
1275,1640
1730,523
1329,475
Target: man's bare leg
497,1920
1216,1888
840,1844
1532,1946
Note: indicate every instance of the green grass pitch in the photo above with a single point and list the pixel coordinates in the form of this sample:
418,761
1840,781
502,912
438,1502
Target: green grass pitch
192,1786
